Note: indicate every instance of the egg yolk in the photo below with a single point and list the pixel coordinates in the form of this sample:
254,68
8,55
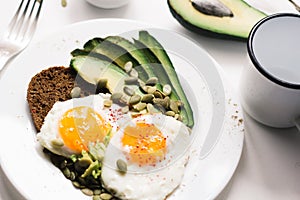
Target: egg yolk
81,125
146,143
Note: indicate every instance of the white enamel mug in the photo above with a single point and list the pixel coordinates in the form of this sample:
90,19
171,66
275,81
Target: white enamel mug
108,4
270,84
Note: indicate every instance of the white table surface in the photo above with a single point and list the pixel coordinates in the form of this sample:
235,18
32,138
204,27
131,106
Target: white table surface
270,163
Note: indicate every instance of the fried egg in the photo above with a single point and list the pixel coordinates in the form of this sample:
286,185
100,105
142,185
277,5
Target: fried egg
155,149
70,126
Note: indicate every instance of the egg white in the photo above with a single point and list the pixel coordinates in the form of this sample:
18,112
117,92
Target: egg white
148,182
49,130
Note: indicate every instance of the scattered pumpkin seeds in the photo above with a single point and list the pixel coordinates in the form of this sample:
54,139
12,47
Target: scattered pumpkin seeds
151,89
75,92
129,91
57,143
105,196
131,80
96,197
76,184
158,94
87,191
128,66
125,109
140,106
66,172
151,109
152,81
133,73
134,99
162,102
170,113
167,89
147,98
115,97
122,165
97,192
173,106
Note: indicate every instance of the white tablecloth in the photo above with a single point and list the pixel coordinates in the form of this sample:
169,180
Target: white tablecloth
270,164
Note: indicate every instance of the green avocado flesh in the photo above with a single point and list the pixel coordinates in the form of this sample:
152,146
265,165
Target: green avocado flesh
92,69
237,26
106,58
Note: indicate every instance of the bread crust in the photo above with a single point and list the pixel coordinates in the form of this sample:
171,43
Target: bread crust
47,87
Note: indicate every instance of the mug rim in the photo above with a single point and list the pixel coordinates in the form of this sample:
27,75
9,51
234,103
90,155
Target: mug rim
251,54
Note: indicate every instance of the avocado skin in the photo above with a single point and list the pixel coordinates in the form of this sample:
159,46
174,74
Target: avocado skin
202,31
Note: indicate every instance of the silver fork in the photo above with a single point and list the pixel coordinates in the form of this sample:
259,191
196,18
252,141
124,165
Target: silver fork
20,30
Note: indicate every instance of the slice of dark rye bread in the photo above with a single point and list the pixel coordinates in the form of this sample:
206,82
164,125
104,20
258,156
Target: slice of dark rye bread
49,86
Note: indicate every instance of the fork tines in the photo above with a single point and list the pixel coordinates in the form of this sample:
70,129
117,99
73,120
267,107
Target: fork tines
23,24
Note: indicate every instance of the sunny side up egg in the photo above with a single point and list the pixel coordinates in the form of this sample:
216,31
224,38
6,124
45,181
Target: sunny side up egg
70,126
155,149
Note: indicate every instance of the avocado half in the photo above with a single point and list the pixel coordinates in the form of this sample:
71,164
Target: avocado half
235,26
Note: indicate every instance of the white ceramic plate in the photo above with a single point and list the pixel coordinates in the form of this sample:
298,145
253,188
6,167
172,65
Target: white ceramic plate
218,116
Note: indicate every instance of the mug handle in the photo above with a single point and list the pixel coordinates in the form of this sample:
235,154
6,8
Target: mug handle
297,123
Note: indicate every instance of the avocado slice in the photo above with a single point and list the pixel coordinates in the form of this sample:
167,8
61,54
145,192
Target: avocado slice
235,26
157,49
92,69
135,53
114,52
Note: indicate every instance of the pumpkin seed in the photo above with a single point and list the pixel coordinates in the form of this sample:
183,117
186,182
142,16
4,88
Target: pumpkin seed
102,83
72,176
97,192
167,89
158,94
140,106
124,99
170,113
122,165
129,91
176,116
105,196
168,101
96,197
133,73
151,90
77,185
128,66
131,80
66,172
134,99
115,97
162,102
151,109
57,143
147,98
173,106
125,109
87,192
75,92
152,81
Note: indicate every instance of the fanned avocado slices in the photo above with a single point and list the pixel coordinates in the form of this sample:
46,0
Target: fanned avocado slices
157,49
148,57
